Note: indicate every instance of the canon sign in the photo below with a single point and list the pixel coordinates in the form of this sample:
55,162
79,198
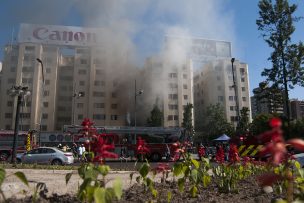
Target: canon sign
60,35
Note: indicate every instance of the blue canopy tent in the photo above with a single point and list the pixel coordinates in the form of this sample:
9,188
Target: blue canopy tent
224,137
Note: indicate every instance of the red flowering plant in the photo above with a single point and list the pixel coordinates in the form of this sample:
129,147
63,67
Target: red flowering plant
164,169
220,155
142,148
97,145
279,157
233,154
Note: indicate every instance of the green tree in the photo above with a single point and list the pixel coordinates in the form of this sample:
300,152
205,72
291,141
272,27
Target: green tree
187,121
260,124
243,125
276,24
156,118
214,123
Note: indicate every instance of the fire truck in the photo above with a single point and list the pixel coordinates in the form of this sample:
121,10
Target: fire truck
158,139
26,141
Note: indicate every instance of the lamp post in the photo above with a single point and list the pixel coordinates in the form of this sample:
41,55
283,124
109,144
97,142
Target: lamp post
40,125
235,92
20,92
137,93
75,96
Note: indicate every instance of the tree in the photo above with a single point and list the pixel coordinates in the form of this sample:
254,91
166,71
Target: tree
187,121
243,125
276,24
156,118
260,124
215,123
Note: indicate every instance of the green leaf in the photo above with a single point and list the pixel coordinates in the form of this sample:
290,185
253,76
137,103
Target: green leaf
144,170
181,184
177,169
206,180
68,177
195,163
193,191
100,195
154,192
22,177
194,175
2,176
169,196
149,182
297,165
117,187
103,169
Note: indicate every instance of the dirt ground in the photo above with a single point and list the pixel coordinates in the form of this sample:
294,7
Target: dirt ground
55,182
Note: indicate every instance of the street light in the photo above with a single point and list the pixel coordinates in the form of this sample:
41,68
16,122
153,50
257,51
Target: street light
137,93
19,91
235,92
76,95
40,125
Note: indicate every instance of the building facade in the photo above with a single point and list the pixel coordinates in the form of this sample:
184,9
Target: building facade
213,84
297,109
73,62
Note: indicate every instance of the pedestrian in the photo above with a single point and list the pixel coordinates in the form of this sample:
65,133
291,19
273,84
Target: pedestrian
80,152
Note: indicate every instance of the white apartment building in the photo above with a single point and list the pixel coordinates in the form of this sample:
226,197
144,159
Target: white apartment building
74,61
213,84
169,86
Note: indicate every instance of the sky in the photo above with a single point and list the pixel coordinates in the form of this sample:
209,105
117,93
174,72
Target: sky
142,24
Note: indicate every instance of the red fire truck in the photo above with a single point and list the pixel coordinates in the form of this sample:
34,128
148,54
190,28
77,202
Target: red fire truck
158,139
25,139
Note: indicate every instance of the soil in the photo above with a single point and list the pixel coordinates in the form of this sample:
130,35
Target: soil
249,191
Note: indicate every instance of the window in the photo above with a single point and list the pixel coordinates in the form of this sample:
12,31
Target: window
98,105
79,105
46,93
82,72
172,107
185,86
172,75
242,71
230,98
242,79
170,118
219,88
8,115
13,69
81,51
114,94
27,69
243,89
45,116
83,61
231,108
29,48
99,116
9,103
99,83
100,71
218,78
45,104
7,127
47,82
244,99
80,116
25,115
114,106
172,96
81,83
27,80
11,80
185,97
185,76
61,108
175,117
220,98
14,58
44,127
173,85
114,117
98,94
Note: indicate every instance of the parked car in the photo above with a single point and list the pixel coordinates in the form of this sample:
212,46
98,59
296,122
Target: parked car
47,155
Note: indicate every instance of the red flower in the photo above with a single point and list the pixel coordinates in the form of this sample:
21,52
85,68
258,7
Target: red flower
142,147
101,149
275,123
297,144
201,151
162,167
220,155
233,154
